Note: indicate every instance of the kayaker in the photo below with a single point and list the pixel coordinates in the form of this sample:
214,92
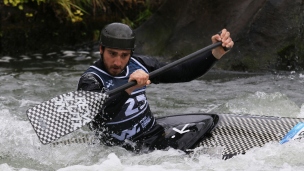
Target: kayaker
126,118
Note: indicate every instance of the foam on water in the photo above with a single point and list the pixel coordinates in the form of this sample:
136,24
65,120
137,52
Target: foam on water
270,157
20,148
261,103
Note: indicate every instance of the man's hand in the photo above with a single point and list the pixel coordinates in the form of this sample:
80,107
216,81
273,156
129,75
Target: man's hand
224,37
142,79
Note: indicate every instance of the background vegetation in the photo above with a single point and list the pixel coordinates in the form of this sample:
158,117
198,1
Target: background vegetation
43,25
267,36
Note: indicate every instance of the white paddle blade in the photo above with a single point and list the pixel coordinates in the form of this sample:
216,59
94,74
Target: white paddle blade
64,114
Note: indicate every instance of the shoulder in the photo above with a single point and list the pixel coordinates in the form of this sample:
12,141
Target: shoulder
89,82
150,63
89,76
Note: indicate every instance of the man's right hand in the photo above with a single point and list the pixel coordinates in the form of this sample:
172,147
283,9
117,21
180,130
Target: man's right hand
142,79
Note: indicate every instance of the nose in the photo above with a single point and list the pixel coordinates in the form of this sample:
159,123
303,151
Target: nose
117,62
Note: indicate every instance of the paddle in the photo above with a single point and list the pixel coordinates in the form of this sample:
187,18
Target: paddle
68,112
297,132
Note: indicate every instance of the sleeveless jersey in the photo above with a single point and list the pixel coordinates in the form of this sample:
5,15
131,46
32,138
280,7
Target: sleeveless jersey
135,116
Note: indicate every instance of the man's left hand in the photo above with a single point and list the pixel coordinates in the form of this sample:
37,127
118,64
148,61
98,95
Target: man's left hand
227,43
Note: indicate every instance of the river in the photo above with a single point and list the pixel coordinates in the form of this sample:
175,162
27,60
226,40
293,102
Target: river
29,80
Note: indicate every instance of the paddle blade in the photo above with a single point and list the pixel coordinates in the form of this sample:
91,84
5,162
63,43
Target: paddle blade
297,132
64,114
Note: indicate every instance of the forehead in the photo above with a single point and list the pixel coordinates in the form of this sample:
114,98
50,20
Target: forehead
118,50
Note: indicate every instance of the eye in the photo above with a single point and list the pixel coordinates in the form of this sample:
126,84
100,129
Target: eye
112,53
125,55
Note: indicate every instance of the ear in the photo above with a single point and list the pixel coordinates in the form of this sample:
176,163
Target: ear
100,49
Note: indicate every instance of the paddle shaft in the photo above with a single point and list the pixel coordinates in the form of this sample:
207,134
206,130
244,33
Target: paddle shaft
59,116
166,67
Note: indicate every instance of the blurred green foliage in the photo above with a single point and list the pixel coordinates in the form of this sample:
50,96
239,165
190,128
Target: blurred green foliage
30,26
76,10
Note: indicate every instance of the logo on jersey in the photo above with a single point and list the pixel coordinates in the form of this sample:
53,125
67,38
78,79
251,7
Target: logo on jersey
109,83
127,133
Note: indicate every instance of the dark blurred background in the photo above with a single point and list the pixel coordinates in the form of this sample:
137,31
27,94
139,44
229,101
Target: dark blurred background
268,34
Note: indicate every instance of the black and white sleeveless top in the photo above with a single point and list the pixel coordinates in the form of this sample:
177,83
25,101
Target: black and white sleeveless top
135,116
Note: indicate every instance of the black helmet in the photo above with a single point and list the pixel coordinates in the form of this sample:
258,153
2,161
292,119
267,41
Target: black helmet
118,36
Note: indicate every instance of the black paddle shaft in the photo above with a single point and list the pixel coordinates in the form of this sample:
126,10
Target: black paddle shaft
166,67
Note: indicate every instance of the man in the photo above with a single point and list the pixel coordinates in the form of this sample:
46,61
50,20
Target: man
126,118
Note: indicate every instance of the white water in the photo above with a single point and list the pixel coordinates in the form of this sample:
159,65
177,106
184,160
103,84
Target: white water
218,92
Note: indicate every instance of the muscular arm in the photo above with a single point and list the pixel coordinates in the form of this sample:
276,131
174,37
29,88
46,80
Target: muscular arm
89,82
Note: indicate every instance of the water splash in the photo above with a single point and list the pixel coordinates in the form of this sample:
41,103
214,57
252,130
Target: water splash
261,103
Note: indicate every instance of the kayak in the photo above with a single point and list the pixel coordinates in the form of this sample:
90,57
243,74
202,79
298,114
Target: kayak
236,134
183,132
239,133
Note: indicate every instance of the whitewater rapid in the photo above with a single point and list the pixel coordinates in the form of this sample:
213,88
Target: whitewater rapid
272,94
